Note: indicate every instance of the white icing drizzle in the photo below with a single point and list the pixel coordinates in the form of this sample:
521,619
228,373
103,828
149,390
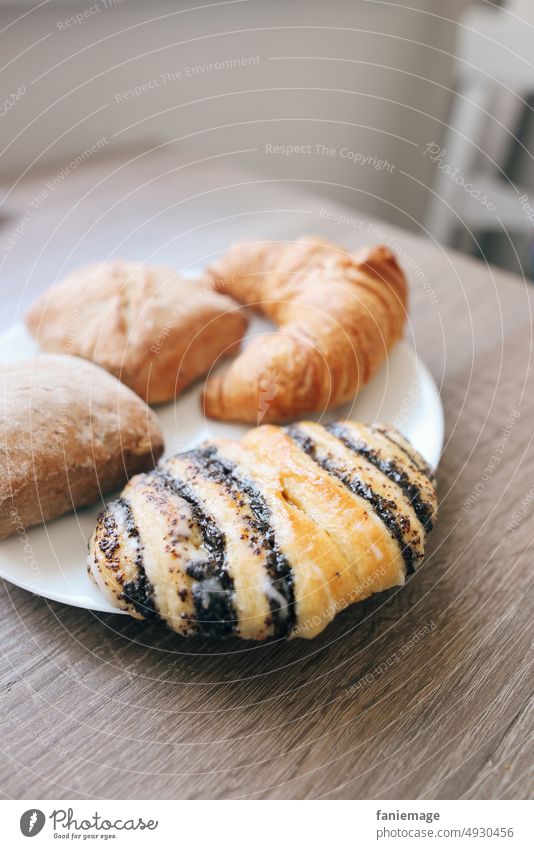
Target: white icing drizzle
128,542
376,551
277,598
207,588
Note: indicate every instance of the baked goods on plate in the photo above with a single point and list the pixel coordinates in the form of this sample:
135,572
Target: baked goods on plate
338,315
119,317
70,433
150,327
268,537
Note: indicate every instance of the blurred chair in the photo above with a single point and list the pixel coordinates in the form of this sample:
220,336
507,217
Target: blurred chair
494,54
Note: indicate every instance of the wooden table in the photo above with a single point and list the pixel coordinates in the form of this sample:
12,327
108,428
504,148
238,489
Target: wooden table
420,693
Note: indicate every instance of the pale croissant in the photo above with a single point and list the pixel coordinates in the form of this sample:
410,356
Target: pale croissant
269,537
152,328
338,315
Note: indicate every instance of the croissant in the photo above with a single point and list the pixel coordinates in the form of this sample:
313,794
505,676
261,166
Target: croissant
338,314
268,537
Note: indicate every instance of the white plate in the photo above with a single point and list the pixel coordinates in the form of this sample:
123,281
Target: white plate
50,560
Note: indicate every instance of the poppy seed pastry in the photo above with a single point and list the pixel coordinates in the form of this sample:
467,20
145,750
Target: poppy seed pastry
269,537
338,315
153,329
70,433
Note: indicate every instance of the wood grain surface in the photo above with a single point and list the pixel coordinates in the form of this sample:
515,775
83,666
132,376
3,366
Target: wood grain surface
422,692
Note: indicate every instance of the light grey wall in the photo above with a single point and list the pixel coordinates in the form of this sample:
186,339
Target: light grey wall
374,83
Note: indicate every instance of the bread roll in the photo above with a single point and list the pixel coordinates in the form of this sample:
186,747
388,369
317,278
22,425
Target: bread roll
69,434
153,329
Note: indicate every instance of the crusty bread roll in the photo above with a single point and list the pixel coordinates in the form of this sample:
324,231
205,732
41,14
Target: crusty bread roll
153,329
338,315
70,433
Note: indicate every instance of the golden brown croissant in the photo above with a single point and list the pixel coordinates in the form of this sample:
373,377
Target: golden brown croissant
267,537
153,329
338,314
